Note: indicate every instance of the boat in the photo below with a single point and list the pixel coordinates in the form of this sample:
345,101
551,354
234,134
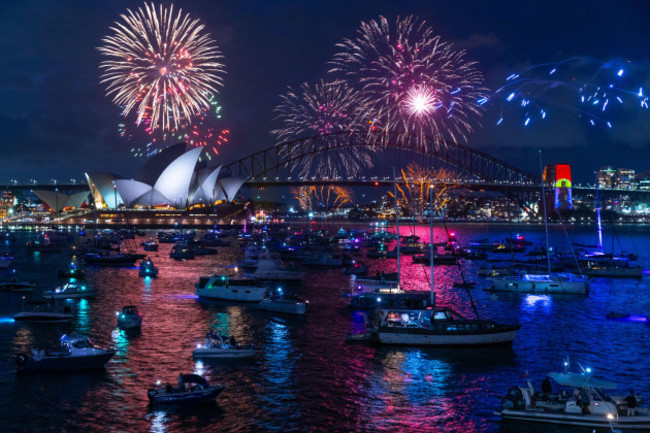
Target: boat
129,317
43,317
438,325
357,268
222,347
74,353
6,261
11,283
182,251
149,245
547,283
284,303
70,290
556,283
225,288
585,404
272,269
72,271
147,268
192,388
105,258
613,268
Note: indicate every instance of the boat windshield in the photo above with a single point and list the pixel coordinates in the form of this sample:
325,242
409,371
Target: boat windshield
82,344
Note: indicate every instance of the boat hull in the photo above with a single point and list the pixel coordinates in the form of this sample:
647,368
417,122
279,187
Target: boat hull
545,287
237,294
417,337
200,396
68,363
43,317
215,353
84,294
284,307
625,422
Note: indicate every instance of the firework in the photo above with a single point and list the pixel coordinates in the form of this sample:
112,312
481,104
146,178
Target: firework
416,84
162,65
323,113
322,197
596,91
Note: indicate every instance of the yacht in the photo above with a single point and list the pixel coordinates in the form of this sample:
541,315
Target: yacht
147,269
558,283
129,317
272,269
105,258
225,288
440,326
578,400
74,353
70,290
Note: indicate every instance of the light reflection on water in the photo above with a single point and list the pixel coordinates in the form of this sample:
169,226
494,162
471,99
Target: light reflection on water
305,377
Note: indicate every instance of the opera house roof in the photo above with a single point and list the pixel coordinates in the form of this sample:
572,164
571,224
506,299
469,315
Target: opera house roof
173,177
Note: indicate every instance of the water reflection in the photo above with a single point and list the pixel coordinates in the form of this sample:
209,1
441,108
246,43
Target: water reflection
531,303
158,419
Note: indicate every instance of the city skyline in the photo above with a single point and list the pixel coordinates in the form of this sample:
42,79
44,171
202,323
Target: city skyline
53,104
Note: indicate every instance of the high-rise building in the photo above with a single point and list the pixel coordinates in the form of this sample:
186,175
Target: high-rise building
625,178
605,177
644,184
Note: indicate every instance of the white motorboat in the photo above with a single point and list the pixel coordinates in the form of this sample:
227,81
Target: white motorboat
129,317
272,269
147,269
221,347
585,404
70,290
75,353
558,283
225,288
281,303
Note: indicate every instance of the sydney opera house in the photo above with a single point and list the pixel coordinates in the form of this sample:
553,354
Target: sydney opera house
171,183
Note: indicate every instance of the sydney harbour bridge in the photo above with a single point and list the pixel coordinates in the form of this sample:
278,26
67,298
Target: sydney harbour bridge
478,171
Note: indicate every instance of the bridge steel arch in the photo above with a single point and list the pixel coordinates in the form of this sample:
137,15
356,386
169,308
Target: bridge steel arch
474,162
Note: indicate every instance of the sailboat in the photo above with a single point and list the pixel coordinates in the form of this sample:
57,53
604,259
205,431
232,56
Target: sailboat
108,258
548,283
439,326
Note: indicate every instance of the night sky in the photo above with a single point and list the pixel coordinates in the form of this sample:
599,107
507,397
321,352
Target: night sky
56,122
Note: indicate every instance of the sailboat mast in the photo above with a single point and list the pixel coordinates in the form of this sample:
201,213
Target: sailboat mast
598,222
117,218
541,173
399,265
432,247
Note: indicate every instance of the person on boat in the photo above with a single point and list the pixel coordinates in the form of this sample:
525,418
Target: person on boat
233,342
168,388
181,383
631,404
546,388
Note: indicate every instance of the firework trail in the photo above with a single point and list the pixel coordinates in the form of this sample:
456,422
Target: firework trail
415,84
596,91
162,65
322,112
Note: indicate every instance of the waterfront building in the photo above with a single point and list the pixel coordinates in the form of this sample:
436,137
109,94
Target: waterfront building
625,178
605,177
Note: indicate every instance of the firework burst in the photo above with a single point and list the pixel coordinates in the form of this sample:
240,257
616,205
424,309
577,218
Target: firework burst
596,91
416,85
322,112
162,65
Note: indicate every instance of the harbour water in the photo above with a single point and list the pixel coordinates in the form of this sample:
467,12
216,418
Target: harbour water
305,377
